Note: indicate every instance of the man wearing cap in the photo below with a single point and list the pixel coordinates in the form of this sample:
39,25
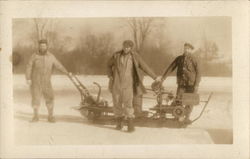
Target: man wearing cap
126,82
38,76
188,75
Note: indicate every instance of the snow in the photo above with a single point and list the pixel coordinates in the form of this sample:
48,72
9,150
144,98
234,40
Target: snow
218,84
215,126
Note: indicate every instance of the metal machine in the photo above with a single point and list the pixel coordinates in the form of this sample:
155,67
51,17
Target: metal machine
167,107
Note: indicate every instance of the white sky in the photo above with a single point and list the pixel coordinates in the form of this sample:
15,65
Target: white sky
176,29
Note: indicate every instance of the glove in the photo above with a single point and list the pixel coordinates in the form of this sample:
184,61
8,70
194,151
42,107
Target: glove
158,79
69,74
156,86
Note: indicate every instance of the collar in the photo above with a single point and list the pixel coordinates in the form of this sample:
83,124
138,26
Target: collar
186,54
43,54
123,54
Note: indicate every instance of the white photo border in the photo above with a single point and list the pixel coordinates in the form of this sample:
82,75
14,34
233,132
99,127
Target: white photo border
237,10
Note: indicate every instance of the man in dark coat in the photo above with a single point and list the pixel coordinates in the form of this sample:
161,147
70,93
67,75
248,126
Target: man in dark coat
38,75
188,75
126,82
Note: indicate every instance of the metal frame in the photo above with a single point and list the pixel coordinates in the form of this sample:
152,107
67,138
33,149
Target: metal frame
94,108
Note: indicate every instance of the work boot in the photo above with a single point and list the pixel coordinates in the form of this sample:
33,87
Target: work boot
35,117
119,123
131,127
187,121
188,110
51,118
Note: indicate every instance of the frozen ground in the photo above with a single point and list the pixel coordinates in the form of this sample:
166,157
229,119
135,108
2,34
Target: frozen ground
215,126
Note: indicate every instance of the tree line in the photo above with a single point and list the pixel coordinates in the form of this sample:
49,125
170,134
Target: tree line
92,52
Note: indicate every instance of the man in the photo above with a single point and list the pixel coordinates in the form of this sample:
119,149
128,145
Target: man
126,82
38,76
188,75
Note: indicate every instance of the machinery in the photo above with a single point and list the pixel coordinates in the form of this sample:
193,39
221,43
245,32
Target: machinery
91,107
170,107
167,107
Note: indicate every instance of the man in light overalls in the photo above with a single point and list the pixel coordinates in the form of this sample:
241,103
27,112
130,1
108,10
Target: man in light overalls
38,76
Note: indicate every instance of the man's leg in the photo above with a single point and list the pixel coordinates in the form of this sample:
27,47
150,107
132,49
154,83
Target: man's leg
138,100
189,108
49,99
137,104
118,110
36,100
127,97
179,93
50,107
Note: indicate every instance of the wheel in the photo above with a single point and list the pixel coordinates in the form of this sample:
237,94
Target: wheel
94,115
84,112
97,114
179,112
162,115
91,116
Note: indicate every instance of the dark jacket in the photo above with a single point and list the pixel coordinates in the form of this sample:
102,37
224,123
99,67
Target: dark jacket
188,70
138,64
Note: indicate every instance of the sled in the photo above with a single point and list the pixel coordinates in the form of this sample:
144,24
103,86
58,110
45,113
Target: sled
174,107
94,106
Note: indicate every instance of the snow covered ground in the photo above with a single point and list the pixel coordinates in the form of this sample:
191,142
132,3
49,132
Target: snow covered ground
215,126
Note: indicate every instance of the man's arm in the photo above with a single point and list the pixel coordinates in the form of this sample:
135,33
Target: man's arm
58,65
144,67
110,65
29,68
198,72
170,69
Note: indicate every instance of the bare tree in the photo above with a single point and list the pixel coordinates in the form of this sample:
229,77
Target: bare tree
100,44
140,29
209,49
40,26
44,29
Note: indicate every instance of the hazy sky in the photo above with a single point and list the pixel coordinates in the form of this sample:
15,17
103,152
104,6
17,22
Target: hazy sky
195,29
175,29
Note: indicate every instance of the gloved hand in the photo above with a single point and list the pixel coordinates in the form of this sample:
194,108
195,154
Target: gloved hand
156,86
158,79
69,74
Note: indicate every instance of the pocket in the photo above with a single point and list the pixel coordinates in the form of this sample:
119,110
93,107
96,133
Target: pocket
192,78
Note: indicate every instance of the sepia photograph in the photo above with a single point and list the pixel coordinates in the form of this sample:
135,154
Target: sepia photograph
125,79
146,76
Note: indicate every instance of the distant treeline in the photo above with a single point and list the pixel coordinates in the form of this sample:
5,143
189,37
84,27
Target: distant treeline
93,61
90,52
